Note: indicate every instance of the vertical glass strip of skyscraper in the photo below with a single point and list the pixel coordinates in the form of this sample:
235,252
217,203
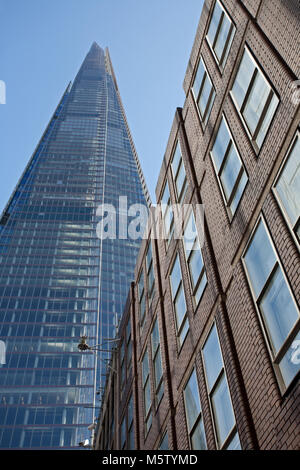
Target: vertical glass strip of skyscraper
58,279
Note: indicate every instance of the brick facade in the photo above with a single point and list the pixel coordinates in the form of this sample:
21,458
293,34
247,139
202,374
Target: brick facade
266,412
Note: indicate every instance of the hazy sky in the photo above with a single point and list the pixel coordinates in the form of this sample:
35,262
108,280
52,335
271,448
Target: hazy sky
42,45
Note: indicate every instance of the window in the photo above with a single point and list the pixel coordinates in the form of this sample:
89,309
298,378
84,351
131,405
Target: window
157,364
194,414
164,444
179,303
141,295
128,347
123,433
254,98
150,272
179,173
278,311
146,392
167,213
130,427
228,166
123,365
220,401
194,259
204,92
287,187
220,34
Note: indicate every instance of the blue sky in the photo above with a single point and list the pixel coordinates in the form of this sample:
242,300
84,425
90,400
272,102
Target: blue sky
42,45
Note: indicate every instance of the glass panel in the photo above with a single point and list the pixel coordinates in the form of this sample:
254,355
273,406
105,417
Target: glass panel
155,338
290,363
214,22
243,79
180,180
198,439
147,397
198,79
212,357
180,306
192,400
288,185
256,101
222,409
230,171
196,266
238,193
259,258
267,120
145,367
200,288
184,331
234,443
221,143
175,276
279,310
158,368
222,37
164,445
204,95
176,160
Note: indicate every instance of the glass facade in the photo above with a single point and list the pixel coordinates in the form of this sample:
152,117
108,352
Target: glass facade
58,279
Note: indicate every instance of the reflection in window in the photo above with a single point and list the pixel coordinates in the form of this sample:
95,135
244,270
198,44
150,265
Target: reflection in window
179,173
203,91
278,310
220,34
254,98
194,258
223,416
179,303
146,392
157,364
194,414
287,186
229,168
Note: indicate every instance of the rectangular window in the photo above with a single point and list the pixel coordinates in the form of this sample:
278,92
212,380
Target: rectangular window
287,187
219,396
167,213
141,295
150,272
123,365
194,414
179,302
157,363
229,168
204,92
220,34
278,311
146,392
194,259
254,98
179,173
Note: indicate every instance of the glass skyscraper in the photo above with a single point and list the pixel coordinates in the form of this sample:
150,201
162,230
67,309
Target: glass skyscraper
58,279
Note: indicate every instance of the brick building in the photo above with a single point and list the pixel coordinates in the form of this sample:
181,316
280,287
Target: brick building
208,355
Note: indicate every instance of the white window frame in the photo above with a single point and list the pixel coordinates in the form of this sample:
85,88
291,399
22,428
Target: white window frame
275,358
291,227
219,172
222,373
222,61
212,95
174,295
240,110
179,195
